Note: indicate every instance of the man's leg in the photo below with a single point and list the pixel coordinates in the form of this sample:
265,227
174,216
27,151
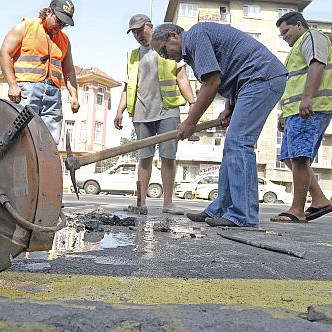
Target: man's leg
318,199
144,175
300,144
252,108
51,112
167,153
168,171
302,176
145,155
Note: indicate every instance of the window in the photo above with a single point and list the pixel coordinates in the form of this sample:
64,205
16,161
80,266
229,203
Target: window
313,26
69,127
283,11
98,132
256,36
316,159
68,97
251,11
189,172
279,164
100,95
217,141
187,9
83,135
85,94
190,73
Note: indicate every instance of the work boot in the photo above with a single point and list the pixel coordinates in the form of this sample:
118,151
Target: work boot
198,217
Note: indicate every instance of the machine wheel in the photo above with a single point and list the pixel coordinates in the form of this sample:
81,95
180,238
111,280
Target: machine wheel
213,195
155,190
92,187
188,195
269,197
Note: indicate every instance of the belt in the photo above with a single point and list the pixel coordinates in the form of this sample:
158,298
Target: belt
48,81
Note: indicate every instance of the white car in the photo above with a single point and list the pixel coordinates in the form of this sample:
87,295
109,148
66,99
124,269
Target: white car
268,192
120,179
188,190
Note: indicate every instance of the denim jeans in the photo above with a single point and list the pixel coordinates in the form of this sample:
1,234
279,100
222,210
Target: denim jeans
45,100
238,184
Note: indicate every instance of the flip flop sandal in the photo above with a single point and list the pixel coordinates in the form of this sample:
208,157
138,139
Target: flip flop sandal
292,219
314,213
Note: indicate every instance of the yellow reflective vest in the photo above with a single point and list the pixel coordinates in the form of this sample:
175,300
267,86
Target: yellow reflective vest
167,73
298,69
35,59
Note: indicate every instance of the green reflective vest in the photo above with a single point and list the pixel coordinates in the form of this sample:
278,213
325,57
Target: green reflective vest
167,72
298,69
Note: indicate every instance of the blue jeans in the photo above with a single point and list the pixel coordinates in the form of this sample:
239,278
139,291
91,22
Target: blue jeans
237,200
45,100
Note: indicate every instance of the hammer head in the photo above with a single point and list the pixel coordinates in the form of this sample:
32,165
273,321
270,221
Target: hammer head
72,163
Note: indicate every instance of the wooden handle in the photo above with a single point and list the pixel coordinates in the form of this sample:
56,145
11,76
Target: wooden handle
139,144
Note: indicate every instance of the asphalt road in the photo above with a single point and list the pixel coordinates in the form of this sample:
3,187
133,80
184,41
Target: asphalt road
191,278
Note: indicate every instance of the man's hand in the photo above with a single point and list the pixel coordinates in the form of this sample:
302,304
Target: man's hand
225,118
305,108
281,124
118,120
75,105
15,94
185,130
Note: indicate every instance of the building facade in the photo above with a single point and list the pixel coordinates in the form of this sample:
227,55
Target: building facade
258,19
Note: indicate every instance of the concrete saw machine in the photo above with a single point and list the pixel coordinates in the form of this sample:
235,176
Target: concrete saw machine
30,183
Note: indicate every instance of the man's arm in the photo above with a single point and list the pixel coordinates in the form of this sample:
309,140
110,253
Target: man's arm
314,80
10,46
184,85
207,92
69,75
122,106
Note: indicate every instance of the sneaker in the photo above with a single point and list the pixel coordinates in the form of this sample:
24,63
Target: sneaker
214,222
198,217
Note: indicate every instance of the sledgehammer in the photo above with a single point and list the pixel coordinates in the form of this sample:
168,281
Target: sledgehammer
73,163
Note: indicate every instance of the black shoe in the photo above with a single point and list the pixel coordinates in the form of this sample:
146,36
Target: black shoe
198,217
214,222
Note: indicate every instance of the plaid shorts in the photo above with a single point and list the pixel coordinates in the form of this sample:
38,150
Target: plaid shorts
302,137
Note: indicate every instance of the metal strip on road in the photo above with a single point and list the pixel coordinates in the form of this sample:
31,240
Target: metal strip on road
295,295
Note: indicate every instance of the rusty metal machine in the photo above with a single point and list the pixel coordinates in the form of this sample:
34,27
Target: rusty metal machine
30,184
31,179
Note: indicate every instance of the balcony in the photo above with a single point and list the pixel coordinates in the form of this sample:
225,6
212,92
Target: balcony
214,16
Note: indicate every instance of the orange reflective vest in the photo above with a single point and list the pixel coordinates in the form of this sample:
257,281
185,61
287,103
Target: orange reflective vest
37,59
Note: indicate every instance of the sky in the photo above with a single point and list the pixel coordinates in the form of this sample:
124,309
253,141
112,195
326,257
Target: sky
99,37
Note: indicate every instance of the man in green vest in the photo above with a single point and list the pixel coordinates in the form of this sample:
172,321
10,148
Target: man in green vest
306,113
153,92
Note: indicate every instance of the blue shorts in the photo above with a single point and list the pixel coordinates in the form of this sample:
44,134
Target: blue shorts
147,129
45,100
302,137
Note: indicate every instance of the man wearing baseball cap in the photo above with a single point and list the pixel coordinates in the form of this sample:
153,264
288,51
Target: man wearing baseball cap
153,92
36,60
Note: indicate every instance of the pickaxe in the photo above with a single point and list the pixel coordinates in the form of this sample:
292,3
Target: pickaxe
73,163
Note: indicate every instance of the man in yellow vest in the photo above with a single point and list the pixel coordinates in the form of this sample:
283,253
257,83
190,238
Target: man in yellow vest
306,112
153,92
35,59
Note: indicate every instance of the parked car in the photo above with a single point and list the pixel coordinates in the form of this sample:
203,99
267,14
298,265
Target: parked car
120,179
268,191
188,189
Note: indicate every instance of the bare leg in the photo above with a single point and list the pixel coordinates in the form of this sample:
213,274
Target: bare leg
318,198
144,175
302,175
168,171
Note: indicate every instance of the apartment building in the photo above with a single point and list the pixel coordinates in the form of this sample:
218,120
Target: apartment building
257,18
88,127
